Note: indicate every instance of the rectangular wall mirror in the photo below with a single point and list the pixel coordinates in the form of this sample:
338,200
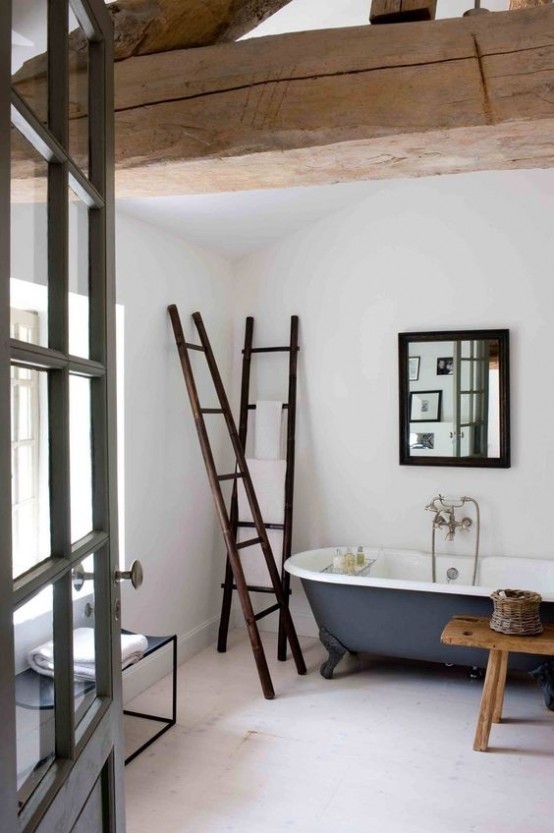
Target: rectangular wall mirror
454,398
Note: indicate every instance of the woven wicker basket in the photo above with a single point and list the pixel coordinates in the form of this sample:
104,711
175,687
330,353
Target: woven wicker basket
516,612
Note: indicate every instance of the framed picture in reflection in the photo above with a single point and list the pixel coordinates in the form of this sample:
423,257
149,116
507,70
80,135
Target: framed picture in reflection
413,368
425,405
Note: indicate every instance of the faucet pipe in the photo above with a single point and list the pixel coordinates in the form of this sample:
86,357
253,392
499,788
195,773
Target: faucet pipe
445,516
477,535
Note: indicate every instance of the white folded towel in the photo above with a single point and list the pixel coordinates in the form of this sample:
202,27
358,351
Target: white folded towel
268,479
253,561
267,430
41,659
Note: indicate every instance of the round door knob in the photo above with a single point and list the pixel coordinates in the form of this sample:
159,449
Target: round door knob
135,575
80,576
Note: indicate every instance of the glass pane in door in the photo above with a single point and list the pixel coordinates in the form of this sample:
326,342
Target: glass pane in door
84,666
34,691
78,93
30,469
79,274
29,240
30,55
80,452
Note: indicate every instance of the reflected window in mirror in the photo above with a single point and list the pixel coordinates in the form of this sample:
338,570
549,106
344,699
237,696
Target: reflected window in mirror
454,398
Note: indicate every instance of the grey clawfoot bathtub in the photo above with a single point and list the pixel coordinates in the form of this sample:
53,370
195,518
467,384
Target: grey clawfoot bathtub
394,609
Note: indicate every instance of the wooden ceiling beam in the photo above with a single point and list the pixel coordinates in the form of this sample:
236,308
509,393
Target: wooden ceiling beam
527,4
142,27
336,105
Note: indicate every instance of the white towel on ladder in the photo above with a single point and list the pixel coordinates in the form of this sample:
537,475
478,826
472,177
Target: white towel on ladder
267,430
253,561
268,479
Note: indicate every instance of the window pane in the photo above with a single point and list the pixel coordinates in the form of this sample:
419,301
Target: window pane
30,469
29,54
78,277
29,240
78,93
80,456
34,691
84,668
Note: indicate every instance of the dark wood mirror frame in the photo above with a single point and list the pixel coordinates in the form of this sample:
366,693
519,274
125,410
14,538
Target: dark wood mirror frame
502,338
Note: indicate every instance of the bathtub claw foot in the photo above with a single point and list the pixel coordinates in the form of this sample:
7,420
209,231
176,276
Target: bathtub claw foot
336,652
544,675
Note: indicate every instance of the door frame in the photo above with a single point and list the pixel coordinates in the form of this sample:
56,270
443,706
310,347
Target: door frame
98,755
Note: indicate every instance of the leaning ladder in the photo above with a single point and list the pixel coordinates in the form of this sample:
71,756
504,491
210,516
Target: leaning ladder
286,526
215,479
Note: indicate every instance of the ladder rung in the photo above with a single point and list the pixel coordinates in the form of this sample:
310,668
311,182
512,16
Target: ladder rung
266,612
253,407
212,410
233,476
254,589
272,349
195,347
251,524
249,543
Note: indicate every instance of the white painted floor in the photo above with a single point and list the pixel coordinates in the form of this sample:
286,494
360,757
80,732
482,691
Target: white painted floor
384,747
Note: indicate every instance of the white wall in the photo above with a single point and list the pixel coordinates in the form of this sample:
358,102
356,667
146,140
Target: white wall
460,252
170,522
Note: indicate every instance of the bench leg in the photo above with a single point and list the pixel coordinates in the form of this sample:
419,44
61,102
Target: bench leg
499,700
491,699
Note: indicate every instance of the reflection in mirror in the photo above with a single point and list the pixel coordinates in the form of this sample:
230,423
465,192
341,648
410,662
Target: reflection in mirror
454,398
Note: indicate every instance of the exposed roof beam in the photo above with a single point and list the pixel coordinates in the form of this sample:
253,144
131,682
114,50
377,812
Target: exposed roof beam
145,26
336,105
142,27
527,4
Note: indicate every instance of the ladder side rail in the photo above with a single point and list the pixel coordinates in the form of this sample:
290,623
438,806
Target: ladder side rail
251,496
227,601
289,480
234,558
245,380
282,600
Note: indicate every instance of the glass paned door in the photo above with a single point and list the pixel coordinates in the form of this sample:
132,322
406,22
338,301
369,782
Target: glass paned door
59,622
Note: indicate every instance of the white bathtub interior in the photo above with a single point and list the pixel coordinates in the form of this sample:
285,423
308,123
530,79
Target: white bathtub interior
412,569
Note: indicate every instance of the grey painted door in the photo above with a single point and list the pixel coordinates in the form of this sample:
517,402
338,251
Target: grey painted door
61,760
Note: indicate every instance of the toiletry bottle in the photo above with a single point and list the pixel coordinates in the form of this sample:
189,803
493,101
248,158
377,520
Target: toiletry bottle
349,560
360,557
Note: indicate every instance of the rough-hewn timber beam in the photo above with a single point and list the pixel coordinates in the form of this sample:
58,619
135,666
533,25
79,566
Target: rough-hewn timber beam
336,105
145,26
142,27
527,4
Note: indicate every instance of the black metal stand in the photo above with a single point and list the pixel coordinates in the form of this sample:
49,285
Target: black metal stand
36,691
155,643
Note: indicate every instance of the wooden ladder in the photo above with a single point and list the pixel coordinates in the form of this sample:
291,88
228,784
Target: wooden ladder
286,526
215,479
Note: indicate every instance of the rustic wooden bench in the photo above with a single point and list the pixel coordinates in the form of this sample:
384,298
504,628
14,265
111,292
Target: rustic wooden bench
475,632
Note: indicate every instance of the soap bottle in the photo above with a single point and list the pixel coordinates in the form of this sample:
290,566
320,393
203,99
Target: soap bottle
360,557
338,561
349,560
